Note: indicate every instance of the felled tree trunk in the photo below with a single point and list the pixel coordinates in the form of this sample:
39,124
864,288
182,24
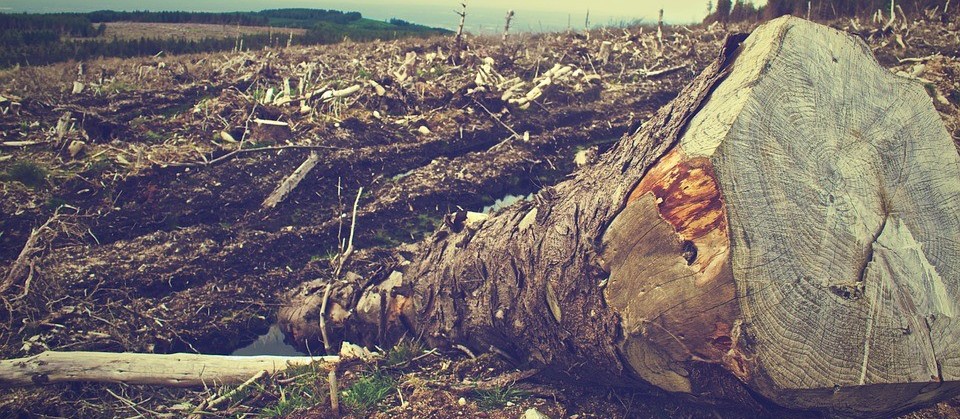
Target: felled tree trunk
789,225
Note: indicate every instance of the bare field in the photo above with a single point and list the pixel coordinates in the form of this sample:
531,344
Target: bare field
141,183
189,31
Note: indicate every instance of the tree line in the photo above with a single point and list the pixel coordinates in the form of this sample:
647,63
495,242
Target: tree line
742,10
300,18
36,39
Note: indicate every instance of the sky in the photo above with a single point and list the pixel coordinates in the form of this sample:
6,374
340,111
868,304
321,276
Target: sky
482,16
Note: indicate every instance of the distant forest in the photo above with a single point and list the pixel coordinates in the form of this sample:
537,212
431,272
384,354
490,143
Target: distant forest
744,10
36,39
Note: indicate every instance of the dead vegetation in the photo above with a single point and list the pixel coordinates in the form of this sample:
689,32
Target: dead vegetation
156,205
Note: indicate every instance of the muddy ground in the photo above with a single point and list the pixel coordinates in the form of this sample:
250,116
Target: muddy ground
152,173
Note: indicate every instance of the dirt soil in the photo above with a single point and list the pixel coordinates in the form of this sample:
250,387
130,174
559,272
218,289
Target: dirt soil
152,173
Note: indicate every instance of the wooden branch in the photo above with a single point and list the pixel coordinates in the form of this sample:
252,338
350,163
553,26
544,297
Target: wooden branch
658,73
173,370
506,26
235,153
291,182
660,32
23,260
512,131
458,41
226,396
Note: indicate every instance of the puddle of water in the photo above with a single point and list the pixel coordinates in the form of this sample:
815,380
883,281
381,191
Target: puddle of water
270,343
506,201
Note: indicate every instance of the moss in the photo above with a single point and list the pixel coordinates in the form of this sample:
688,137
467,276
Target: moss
153,136
96,167
28,173
386,238
55,202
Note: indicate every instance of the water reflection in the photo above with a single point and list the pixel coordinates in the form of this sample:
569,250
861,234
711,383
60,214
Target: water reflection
270,343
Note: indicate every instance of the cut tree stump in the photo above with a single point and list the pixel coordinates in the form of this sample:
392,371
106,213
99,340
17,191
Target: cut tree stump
172,370
786,230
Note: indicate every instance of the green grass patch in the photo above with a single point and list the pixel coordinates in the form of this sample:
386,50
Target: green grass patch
495,398
365,394
308,389
98,166
402,353
153,136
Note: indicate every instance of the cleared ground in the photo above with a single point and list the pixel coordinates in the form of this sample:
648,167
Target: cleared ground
188,31
165,161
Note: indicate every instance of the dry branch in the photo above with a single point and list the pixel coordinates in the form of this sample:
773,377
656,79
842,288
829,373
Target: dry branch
170,370
291,182
658,73
506,26
19,267
458,40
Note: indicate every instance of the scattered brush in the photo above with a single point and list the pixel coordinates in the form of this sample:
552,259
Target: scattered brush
403,353
301,388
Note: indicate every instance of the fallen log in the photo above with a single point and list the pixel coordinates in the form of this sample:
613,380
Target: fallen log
172,370
786,230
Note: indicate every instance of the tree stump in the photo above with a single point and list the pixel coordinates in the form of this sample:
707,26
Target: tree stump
786,229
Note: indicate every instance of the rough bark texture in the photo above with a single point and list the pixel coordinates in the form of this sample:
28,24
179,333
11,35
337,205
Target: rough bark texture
789,222
528,281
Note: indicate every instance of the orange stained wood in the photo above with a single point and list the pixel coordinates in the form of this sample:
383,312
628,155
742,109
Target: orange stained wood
687,193
688,198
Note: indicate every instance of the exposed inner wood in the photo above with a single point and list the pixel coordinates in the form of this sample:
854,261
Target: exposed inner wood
802,232
670,277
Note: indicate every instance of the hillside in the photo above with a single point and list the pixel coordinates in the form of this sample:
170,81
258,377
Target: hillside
142,182
48,38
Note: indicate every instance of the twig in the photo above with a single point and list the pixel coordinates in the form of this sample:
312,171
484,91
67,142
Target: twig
504,354
334,391
458,41
231,393
16,269
353,226
235,153
465,350
918,59
22,143
291,182
323,322
415,359
506,27
26,284
131,404
498,119
658,73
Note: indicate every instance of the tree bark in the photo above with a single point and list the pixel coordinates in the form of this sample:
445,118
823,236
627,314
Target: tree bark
173,370
786,229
